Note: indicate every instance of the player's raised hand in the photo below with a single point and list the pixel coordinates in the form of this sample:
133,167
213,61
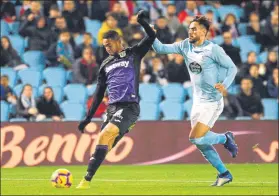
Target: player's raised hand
141,15
82,125
220,87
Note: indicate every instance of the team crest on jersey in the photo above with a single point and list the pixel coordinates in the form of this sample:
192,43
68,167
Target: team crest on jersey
195,68
122,54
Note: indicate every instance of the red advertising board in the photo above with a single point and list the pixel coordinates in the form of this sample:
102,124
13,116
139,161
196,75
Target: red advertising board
59,143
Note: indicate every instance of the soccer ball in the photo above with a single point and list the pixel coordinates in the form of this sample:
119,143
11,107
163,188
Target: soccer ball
61,178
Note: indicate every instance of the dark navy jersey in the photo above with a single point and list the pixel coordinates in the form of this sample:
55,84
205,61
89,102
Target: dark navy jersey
120,73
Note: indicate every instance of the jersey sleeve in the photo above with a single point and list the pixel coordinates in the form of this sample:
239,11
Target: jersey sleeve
98,94
220,56
175,48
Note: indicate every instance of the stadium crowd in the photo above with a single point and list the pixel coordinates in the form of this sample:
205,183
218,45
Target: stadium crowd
54,26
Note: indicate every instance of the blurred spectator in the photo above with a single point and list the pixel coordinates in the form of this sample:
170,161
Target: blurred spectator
26,4
172,19
245,67
46,5
250,101
73,17
254,27
121,15
9,56
163,32
133,32
187,15
101,54
39,36
33,13
230,24
270,31
272,84
258,86
7,92
53,14
110,24
8,12
214,28
87,42
230,50
82,7
156,72
100,112
271,63
232,107
176,70
48,106
85,69
26,105
98,8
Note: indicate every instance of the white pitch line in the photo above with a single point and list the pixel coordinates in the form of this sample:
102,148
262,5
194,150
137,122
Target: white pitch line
150,180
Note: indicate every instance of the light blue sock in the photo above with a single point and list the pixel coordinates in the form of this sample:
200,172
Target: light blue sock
212,156
210,138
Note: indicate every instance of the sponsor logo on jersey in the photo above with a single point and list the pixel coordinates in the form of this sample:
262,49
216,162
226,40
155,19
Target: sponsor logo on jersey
195,67
115,65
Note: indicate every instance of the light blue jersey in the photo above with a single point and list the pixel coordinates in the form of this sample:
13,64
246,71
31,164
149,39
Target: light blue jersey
207,64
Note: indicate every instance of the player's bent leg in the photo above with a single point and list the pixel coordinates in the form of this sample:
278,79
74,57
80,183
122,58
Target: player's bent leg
104,144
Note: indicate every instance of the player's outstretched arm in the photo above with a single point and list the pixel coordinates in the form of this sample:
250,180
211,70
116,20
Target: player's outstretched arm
220,56
97,99
175,48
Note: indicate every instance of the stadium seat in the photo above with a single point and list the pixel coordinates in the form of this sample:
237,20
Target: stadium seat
234,89
69,76
72,111
55,76
14,27
92,26
218,40
204,8
242,27
262,58
247,44
57,91
224,10
188,106
150,93
243,118
5,29
76,93
32,77
270,108
149,111
4,111
79,39
172,110
222,118
18,120
174,92
190,92
18,43
35,59
18,88
91,89
11,74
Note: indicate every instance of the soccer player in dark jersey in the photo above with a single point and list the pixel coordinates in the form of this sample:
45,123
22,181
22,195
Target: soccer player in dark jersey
120,74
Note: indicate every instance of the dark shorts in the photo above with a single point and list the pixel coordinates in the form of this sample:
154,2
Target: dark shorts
123,115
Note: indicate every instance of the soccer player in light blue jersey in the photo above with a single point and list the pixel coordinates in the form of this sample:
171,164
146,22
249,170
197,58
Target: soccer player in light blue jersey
211,71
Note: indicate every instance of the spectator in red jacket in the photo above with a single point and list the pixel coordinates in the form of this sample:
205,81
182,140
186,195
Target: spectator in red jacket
188,14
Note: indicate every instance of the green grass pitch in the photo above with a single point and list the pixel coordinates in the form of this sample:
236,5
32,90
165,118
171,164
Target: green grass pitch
181,179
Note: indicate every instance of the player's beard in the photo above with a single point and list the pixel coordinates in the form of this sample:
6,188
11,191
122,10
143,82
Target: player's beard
194,40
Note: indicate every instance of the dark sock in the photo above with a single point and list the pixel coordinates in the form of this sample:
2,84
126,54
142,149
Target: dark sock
95,161
224,174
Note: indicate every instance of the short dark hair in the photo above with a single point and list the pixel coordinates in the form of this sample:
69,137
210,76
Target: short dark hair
5,76
111,35
54,7
64,31
202,20
89,34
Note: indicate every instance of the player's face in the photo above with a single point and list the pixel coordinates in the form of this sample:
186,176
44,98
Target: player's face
112,46
196,31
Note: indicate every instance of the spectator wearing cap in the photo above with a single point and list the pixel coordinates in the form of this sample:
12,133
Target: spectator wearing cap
85,69
272,84
110,23
250,101
230,50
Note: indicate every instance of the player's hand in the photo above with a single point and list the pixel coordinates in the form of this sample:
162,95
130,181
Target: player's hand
141,15
82,125
220,87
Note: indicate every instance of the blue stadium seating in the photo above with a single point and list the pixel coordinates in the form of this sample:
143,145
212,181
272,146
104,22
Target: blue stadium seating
247,44
224,10
69,76
172,110
242,27
234,89
18,120
190,92
204,8
243,118
150,93
11,74
92,26
57,91
55,76
72,111
149,111
91,89
14,27
79,39
174,92
76,93
18,88
5,29
18,43
218,39
35,59
262,58
32,77
188,106
4,111
270,108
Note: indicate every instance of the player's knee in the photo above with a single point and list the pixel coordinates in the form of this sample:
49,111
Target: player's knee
196,141
106,136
